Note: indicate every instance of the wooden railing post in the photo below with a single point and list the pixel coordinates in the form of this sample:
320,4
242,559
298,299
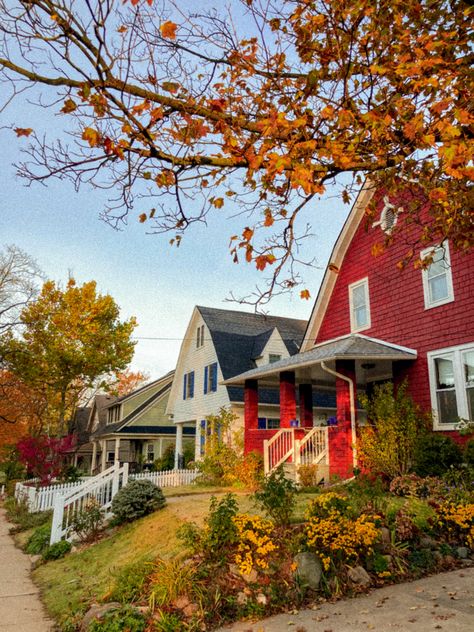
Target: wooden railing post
266,460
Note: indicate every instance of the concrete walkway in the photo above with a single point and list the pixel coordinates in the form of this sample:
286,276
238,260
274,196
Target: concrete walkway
20,607
442,602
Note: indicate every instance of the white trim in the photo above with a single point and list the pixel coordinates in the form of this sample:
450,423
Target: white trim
351,287
454,353
449,277
388,344
335,261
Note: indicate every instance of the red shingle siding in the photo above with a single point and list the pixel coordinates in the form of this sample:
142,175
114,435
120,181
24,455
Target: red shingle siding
397,308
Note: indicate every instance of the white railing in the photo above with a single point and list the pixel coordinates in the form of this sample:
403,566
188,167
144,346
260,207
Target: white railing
42,498
312,448
102,488
172,478
278,449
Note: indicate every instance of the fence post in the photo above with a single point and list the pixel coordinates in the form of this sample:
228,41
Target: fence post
58,514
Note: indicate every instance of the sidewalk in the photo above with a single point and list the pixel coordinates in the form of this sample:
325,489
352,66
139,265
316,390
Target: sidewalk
20,607
442,602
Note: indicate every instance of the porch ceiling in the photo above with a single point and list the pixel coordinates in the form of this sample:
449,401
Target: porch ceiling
307,365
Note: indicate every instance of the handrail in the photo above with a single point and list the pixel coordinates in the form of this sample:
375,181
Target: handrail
278,448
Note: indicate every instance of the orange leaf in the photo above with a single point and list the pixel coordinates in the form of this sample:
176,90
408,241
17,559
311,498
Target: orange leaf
23,131
247,234
218,202
305,294
142,218
69,106
268,218
168,30
92,136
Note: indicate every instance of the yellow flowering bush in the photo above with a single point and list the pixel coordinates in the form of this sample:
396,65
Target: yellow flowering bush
457,521
254,542
325,504
338,538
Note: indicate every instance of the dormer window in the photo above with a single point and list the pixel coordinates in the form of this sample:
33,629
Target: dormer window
113,414
200,337
274,357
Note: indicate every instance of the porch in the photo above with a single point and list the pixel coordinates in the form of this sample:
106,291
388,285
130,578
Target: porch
346,365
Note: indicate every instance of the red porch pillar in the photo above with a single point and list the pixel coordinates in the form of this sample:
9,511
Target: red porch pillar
306,405
340,436
287,398
250,412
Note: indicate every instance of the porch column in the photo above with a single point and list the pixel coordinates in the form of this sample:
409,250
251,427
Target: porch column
103,461
340,436
250,413
178,452
94,456
117,450
287,398
306,405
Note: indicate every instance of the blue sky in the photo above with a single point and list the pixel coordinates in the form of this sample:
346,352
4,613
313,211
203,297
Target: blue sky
148,278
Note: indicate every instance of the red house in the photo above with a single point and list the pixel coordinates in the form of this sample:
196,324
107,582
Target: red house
372,321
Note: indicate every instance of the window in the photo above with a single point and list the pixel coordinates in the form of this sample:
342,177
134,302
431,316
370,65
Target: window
113,414
266,423
110,457
437,278
200,337
188,385
359,305
210,378
150,453
273,357
452,385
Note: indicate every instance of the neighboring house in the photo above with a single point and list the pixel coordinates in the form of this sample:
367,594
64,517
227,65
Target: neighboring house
134,428
219,344
372,322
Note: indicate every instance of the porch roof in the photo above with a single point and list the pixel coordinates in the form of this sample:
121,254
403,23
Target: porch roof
349,347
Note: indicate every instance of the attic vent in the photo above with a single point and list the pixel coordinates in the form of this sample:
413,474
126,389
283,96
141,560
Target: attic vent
388,217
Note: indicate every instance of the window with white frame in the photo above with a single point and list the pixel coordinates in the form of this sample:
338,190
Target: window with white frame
274,357
359,305
150,452
113,414
437,278
452,385
267,423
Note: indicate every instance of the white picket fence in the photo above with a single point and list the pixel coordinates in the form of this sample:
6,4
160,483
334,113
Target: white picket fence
42,498
172,478
101,488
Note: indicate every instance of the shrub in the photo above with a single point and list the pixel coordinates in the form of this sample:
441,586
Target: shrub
456,521
88,522
435,454
307,475
255,542
166,462
469,452
129,582
248,470
416,486
220,458
387,445
38,541
170,580
277,497
125,618
18,513
326,504
138,498
57,550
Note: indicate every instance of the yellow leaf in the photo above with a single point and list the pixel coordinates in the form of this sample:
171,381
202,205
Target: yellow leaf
92,136
218,202
305,294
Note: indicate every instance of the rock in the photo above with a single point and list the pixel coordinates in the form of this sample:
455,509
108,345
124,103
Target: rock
97,612
35,560
385,535
251,577
187,607
449,559
234,569
437,556
262,599
242,598
308,569
358,575
462,552
427,543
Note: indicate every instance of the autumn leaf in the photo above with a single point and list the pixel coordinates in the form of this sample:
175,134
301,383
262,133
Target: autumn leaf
262,260
170,86
69,106
168,30
142,218
217,202
305,294
269,221
23,131
247,234
92,136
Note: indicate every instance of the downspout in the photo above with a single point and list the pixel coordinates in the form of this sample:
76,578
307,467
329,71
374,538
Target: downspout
352,407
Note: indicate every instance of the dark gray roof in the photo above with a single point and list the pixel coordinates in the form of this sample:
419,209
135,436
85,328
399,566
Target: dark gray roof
351,347
119,400
239,336
79,424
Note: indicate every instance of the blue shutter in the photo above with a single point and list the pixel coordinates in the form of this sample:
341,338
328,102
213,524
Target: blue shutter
184,385
202,438
191,384
206,370
214,376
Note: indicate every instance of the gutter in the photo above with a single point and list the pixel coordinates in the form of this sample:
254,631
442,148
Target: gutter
352,407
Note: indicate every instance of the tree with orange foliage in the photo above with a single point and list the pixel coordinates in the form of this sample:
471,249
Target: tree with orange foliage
170,108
